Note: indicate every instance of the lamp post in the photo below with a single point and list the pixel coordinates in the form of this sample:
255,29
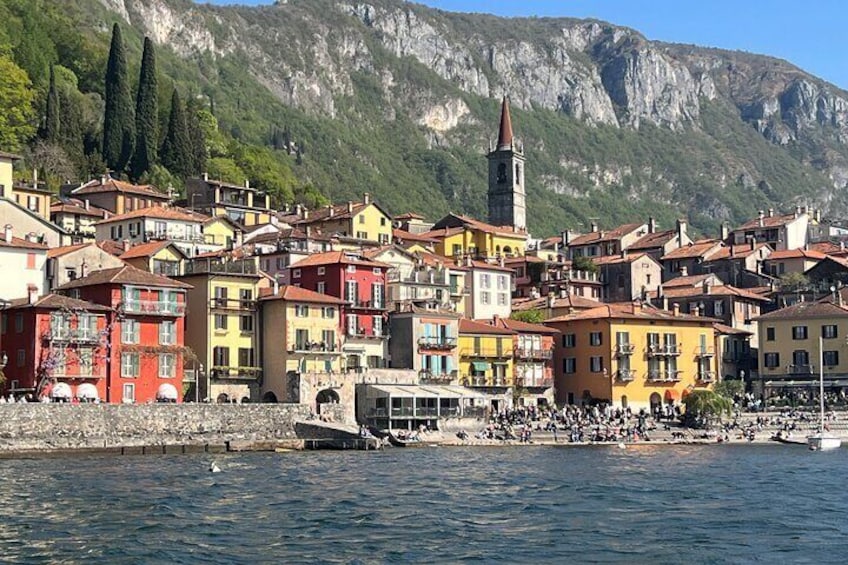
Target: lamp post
198,372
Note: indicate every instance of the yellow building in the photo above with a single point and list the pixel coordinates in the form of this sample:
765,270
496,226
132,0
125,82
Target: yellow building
7,162
222,326
632,355
458,235
158,257
32,197
220,230
301,338
363,221
485,355
790,350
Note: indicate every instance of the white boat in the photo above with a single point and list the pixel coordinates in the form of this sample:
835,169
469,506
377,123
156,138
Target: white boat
822,441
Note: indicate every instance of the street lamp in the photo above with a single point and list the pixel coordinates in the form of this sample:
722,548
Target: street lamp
197,372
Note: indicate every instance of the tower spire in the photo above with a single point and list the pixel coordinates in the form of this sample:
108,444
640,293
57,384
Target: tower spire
505,133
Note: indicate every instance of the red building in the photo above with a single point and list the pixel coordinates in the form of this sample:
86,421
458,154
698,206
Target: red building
56,346
146,332
361,283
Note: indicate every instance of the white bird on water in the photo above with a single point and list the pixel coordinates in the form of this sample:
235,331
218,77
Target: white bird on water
213,468
621,445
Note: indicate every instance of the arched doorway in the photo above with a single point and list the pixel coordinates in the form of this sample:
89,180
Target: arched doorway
327,396
269,397
507,250
655,400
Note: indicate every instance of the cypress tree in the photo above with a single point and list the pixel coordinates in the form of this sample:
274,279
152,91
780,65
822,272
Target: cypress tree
176,149
118,135
146,114
52,124
196,137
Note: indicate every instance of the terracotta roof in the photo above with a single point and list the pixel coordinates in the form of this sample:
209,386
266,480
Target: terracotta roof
115,248
604,235
653,240
615,259
519,326
806,310
337,257
434,260
113,185
57,301
296,294
690,280
698,248
409,216
569,301
768,222
54,252
630,310
146,249
340,212
405,235
19,243
796,254
124,275
728,330
11,156
471,223
715,290
77,209
467,326
736,251
441,233
159,213
490,267
827,247
505,130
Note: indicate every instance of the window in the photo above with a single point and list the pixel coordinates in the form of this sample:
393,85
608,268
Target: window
770,334
129,365
486,297
799,332
351,268
378,325
129,392
486,281
21,357
86,362
246,298
596,364
502,282
328,312
502,299
295,273
30,261
322,270
800,357
167,365
19,322
130,331
220,321
771,360
301,310
220,296
328,337
595,339
167,333
362,218
830,358
246,323
383,221
377,295
351,291
322,288
352,324
457,249
829,332
569,340
245,357
362,235
221,356
719,308
301,340
569,365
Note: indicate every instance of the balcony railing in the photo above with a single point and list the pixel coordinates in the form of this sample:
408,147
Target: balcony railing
418,277
77,376
487,352
531,382
706,376
431,377
219,266
154,307
664,376
801,369
241,373
529,353
367,304
436,342
624,349
667,350
365,333
625,375
222,303
705,352
672,375
77,335
314,347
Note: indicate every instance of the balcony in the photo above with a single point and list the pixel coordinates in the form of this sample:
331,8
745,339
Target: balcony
72,335
430,278
436,342
365,333
529,353
673,376
625,375
236,373
800,370
314,348
223,303
154,307
622,349
706,376
219,266
436,378
666,350
705,352
664,376
543,382
163,235
366,304
484,352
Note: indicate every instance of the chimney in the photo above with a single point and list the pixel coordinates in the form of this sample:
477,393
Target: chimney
35,177
306,231
104,178
684,271
771,212
681,229
366,198
762,215
839,300
330,210
753,243
7,233
817,215
652,225
83,269
593,227
205,177
624,254
551,300
842,245
126,244
86,204
664,302
32,293
305,214
468,260
566,237
706,286
276,286
797,211
725,231
563,293
500,261
675,309
247,183
349,206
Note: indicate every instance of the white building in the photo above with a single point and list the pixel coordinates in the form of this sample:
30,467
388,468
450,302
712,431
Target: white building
490,291
22,262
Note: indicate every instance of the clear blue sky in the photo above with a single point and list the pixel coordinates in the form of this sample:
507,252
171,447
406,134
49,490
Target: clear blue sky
809,34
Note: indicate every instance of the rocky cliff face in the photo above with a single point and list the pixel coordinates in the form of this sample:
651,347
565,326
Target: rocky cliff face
306,52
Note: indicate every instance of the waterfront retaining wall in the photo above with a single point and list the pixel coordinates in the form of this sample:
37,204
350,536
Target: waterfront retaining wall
72,426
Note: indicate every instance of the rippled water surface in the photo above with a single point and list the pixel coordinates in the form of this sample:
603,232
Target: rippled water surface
715,504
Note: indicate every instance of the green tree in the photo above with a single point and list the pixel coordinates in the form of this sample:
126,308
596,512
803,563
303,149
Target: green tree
703,407
794,281
730,388
225,169
196,136
584,264
17,113
529,316
118,135
52,122
146,114
176,148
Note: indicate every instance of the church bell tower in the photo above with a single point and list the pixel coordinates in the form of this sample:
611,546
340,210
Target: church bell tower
506,177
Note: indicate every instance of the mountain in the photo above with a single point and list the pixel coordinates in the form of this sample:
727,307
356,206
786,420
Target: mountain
401,100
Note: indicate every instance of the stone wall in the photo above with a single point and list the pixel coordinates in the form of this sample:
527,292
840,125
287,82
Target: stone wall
70,426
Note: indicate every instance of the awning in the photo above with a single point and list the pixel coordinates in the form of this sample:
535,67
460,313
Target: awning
166,391
87,391
480,365
671,394
61,390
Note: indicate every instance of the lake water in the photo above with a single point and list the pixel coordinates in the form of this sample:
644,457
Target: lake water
686,504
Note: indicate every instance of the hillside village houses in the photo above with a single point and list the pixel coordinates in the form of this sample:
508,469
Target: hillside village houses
115,292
